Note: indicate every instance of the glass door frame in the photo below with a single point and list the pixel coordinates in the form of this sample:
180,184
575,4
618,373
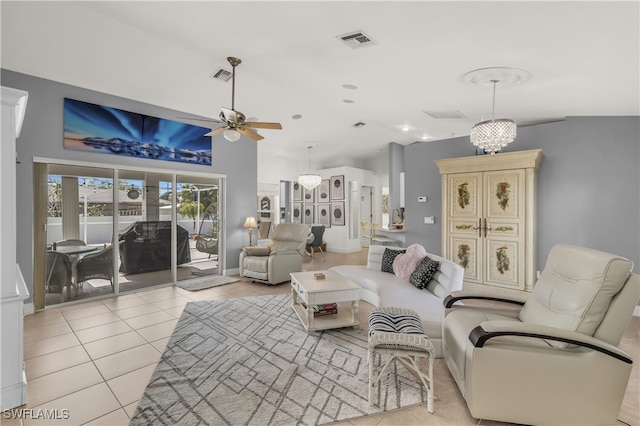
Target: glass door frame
115,169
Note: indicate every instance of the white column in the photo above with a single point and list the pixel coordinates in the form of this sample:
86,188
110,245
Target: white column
13,290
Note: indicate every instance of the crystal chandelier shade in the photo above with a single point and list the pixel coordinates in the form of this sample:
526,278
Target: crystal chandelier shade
493,135
309,180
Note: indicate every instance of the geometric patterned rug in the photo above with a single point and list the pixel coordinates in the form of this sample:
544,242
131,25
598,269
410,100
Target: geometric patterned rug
249,361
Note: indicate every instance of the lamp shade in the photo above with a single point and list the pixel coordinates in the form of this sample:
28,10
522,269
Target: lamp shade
250,222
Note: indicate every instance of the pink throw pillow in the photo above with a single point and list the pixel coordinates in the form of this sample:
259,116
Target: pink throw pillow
404,264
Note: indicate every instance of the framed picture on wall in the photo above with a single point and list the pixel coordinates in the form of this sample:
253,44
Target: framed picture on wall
322,192
264,206
337,213
323,215
337,188
308,195
308,214
296,214
297,191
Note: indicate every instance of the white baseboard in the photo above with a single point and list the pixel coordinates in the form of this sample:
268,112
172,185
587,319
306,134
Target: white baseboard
28,308
233,271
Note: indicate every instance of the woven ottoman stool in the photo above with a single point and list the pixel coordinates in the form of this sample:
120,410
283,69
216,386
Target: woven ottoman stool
397,334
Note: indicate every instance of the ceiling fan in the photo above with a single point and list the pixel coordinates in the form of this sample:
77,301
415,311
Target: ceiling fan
235,123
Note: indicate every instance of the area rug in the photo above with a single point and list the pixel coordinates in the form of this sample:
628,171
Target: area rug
249,361
206,282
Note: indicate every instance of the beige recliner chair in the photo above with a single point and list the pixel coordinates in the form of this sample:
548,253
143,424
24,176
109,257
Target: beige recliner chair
555,360
282,255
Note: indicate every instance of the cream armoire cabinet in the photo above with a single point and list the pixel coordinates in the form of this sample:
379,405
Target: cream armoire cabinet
489,218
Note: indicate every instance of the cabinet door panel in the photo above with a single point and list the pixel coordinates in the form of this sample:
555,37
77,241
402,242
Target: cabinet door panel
467,252
463,195
504,196
503,265
465,207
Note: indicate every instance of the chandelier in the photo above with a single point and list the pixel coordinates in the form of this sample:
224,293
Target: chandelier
308,180
493,135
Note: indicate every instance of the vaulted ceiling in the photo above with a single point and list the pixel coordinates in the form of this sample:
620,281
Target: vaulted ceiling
583,59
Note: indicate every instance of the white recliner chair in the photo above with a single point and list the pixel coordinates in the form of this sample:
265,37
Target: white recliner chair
282,255
555,360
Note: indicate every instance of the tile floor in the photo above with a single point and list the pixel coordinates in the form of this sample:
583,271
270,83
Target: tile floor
91,361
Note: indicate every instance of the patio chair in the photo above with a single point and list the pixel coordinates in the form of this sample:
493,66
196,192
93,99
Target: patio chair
59,275
96,265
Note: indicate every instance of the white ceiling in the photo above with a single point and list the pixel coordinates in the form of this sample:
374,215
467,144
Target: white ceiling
583,58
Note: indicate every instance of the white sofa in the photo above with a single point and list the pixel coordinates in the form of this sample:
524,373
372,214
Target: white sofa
386,289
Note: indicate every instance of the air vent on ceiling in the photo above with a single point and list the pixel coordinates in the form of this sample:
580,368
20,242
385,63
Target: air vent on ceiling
222,74
359,124
356,39
445,114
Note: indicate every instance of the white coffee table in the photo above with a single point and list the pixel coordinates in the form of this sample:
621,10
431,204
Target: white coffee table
333,289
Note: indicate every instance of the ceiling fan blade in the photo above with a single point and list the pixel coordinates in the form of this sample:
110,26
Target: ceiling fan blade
210,120
216,131
230,115
263,125
249,133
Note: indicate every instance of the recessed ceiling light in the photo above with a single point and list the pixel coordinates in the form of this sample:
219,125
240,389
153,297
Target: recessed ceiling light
425,137
348,101
296,116
349,86
405,128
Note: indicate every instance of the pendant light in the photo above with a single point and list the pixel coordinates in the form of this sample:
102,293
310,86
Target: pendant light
493,135
308,180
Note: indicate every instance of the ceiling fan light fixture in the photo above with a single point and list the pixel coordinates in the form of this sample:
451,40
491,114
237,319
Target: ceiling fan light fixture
309,180
232,135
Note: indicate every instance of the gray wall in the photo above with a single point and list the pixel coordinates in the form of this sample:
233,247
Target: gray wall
588,184
42,136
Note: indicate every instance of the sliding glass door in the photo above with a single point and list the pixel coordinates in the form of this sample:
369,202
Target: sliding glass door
79,233
116,230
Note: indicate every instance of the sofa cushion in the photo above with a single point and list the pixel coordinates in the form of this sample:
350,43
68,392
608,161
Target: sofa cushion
256,251
424,272
406,263
282,246
387,259
428,307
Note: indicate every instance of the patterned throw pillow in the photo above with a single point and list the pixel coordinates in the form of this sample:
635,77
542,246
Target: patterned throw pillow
424,272
388,257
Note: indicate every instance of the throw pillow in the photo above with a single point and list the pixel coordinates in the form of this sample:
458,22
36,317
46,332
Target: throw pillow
406,263
424,272
388,257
